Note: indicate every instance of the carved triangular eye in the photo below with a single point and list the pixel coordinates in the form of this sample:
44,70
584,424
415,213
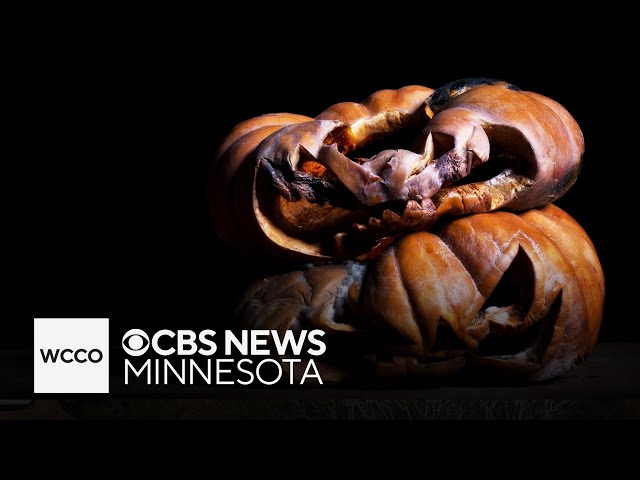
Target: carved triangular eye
506,308
516,287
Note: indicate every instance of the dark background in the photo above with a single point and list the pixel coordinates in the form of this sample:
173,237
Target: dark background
129,117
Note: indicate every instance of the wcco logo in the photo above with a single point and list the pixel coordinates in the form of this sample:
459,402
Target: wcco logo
67,355
71,355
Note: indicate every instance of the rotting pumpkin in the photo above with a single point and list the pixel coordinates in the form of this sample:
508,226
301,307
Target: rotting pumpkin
373,191
332,187
517,295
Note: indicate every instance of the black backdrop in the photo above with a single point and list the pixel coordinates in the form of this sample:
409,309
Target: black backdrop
129,124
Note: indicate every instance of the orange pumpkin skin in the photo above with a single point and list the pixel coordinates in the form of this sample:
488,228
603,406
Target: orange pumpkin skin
294,187
519,295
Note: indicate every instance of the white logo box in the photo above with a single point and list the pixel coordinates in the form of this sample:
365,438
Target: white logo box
71,355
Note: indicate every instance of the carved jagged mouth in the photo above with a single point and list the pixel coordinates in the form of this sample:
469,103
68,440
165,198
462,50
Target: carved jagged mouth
523,352
351,197
511,334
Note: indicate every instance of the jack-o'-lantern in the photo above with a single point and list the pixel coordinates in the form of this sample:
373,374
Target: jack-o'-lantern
301,188
519,295
394,202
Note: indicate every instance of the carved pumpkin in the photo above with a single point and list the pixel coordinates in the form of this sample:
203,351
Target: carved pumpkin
330,187
513,294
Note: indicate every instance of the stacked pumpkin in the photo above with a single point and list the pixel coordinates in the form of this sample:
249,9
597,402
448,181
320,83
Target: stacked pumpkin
419,231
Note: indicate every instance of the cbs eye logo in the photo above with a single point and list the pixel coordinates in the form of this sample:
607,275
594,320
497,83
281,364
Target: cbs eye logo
135,342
